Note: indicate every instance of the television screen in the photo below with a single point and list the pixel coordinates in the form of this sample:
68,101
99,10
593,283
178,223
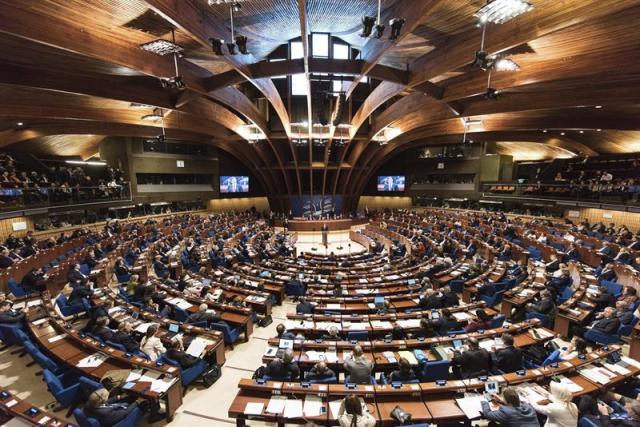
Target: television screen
234,184
391,183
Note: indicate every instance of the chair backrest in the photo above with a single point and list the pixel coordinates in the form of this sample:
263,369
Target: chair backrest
61,301
84,420
438,370
358,336
554,357
497,321
116,345
181,315
88,386
54,384
586,422
15,288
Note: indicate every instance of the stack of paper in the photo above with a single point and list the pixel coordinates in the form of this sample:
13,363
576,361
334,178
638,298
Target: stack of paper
197,346
253,408
293,409
409,356
471,406
276,404
312,406
92,361
161,385
573,387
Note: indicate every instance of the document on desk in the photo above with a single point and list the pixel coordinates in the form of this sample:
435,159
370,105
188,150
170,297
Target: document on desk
253,408
134,375
461,315
411,358
34,303
39,321
276,404
293,408
630,361
57,338
142,328
312,406
573,387
381,324
161,385
334,306
471,406
197,346
331,356
334,405
617,368
390,356
92,361
149,376
599,375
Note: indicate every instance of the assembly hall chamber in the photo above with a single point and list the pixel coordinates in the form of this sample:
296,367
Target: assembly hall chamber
355,213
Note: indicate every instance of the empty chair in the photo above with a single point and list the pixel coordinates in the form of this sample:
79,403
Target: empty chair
17,290
358,336
65,387
230,334
69,309
497,321
432,371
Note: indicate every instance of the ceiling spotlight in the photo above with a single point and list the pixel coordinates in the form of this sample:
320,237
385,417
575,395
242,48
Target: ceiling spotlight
176,82
236,7
505,64
232,48
563,133
20,124
379,31
162,47
216,46
492,94
396,27
599,130
481,60
544,131
598,107
501,11
367,25
241,41
581,131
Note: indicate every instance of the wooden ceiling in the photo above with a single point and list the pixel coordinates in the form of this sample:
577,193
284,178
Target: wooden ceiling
72,71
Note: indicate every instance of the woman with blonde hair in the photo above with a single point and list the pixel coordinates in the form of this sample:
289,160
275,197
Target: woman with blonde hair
560,411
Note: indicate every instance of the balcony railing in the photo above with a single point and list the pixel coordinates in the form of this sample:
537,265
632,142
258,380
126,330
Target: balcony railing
616,194
15,198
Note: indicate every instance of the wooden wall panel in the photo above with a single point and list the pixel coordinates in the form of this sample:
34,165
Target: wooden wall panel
6,226
383,202
630,219
238,204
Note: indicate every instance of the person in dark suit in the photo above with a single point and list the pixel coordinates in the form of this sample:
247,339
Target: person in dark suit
283,368
512,412
404,373
34,281
8,315
445,323
624,313
124,336
605,299
204,314
487,288
107,411
5,259
304,307
177,353
507,359
80,290
282,333
430,300
630,419
333,335
472,362
75,275
320,371
552,265
102,330
607,323
449,298
623,256
572,253
161,270
545,306
97,311
90,259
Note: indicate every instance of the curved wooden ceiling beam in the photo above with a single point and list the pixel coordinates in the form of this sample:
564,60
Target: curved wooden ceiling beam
264,69
19,22
193,19
548,17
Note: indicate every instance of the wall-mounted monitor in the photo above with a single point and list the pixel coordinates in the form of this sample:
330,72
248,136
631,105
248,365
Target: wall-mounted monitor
234,184
391,183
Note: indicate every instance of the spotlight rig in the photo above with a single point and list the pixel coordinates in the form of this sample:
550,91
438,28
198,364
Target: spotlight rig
176,82
396,27
367,25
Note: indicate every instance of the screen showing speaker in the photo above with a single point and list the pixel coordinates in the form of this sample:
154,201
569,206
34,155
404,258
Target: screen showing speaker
391,183
234,184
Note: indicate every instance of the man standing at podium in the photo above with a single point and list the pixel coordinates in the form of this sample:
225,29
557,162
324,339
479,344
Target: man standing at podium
325,235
